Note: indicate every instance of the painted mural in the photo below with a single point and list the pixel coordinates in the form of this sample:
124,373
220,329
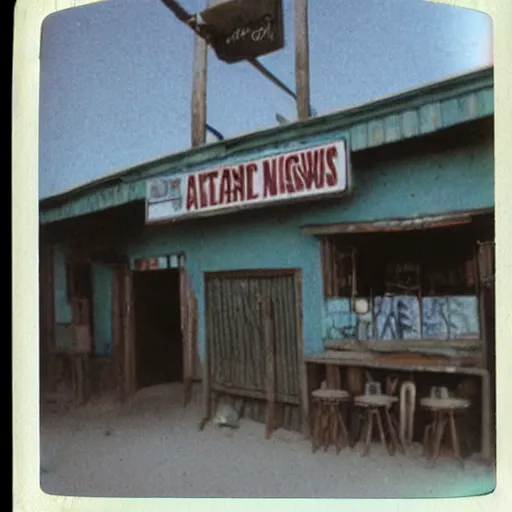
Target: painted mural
401,318
339,319
463,315
435,318
397,317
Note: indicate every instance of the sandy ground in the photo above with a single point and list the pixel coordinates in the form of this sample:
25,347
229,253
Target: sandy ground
153,448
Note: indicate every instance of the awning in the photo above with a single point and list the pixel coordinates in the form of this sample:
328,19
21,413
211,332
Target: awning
394,225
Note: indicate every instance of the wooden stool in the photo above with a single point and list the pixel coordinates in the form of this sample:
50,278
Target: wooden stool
443,410
374,406
328,425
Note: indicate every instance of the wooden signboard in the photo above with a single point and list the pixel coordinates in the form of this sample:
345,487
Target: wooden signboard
244,29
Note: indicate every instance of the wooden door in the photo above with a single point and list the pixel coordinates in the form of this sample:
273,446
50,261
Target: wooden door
253,338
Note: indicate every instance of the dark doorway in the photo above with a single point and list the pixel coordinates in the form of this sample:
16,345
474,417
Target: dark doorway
158,338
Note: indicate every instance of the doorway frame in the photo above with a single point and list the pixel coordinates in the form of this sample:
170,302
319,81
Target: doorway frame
188,320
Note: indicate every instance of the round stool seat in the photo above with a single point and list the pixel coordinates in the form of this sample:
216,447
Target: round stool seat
444,404
375,400
330,394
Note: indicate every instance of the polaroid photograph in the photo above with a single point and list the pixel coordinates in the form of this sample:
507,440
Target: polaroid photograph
263,248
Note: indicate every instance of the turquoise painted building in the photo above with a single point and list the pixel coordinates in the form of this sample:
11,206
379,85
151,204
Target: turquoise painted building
424,156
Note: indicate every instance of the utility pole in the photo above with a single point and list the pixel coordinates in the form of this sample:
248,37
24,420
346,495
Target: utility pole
302,59
199,91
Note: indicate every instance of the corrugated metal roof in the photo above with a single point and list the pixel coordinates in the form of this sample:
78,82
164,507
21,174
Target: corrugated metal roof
409,114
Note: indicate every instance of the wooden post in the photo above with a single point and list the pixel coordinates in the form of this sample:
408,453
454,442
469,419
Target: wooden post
117,328
303,377
187,301
486,442
199,83
49,300
302,58
128,333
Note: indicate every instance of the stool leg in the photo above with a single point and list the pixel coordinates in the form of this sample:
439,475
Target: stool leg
380,428
441,423
395,442
369,432
316,426
334,427
325,427
344,439
427,437
328,432
455,439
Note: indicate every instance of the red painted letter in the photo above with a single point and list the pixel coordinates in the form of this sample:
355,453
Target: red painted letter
250,170
225,187
269,178
191,193
211,176
332,173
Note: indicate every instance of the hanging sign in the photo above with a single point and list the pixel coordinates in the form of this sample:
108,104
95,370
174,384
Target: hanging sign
316,172
244,29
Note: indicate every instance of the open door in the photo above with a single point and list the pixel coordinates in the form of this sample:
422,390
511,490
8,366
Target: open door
188,304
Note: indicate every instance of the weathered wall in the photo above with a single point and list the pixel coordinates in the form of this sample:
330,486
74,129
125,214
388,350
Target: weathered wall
392,186
102,279
452,176
62,306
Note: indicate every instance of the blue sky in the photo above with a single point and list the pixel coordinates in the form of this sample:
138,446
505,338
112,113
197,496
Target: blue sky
116,75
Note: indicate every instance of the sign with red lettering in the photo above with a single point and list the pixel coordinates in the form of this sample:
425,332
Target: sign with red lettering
300,175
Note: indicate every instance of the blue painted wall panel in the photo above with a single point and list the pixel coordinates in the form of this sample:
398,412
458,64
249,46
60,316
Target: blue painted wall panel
458,179
62,306
102,278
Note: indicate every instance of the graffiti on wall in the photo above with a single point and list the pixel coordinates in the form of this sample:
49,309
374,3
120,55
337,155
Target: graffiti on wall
397,317
435,318
339,319
401,318
463,315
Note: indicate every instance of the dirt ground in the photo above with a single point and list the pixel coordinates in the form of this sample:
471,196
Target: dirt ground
152,447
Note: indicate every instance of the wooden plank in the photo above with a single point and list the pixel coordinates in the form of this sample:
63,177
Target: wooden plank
250,273
486,443
206,388
397,224
302,58
392,128
327,358
199,89
410,123
301,367
270,378
418,346
376,131
128,334
188,335
253,393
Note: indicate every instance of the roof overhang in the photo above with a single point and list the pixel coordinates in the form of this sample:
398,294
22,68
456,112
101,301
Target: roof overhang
394,225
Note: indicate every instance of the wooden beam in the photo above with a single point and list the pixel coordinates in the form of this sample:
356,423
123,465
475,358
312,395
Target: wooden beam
396,224
302,58
199,85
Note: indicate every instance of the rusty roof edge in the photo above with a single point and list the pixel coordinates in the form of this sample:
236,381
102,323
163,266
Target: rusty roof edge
447,88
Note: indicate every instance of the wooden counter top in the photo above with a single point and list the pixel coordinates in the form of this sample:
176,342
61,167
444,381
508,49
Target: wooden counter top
397,362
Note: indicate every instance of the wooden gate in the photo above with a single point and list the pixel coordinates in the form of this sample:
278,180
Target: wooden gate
254,342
